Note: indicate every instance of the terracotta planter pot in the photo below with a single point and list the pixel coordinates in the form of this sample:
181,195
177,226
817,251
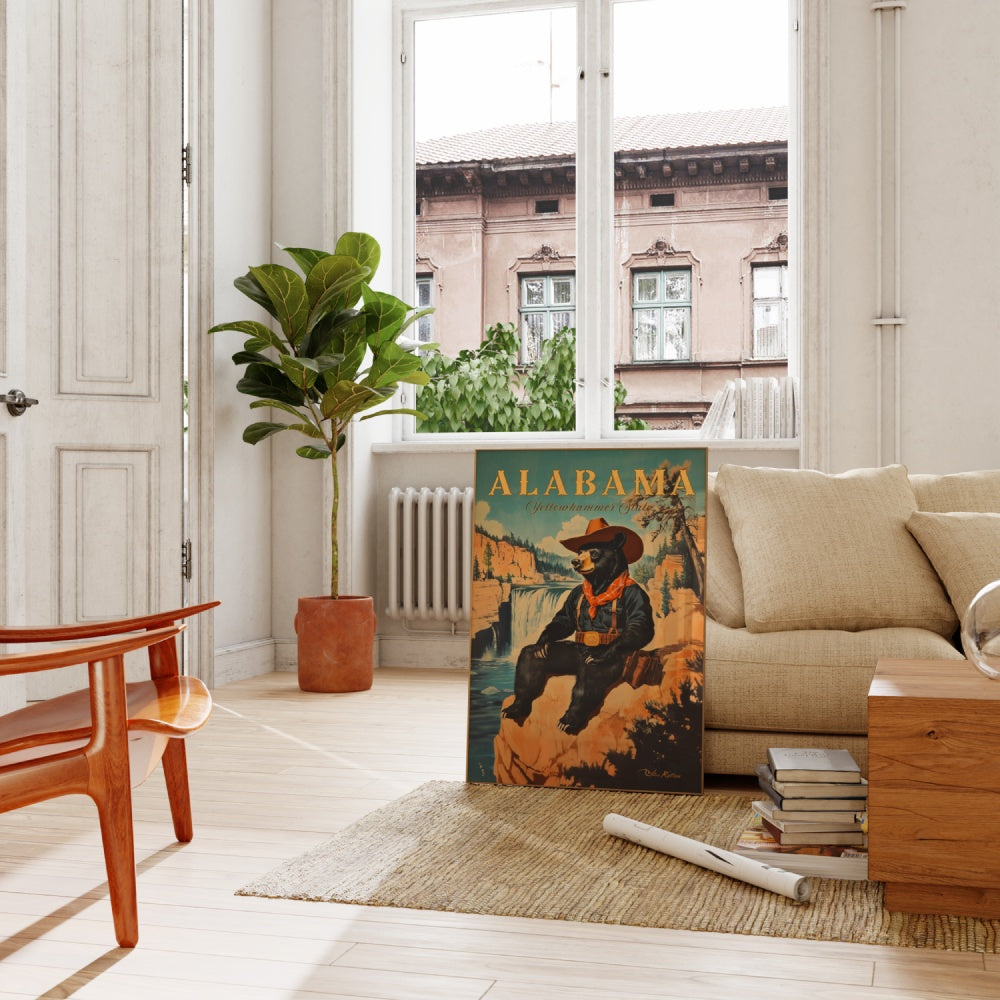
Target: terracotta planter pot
336,643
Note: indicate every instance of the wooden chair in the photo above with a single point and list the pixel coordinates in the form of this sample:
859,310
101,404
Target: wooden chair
106,739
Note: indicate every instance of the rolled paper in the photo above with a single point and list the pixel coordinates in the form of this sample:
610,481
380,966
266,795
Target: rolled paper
715,859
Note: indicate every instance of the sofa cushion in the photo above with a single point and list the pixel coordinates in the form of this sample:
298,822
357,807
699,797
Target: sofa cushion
723,585
964,549
819,551
809,680
975,491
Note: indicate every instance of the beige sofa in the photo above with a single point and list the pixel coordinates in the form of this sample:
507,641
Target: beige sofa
811,578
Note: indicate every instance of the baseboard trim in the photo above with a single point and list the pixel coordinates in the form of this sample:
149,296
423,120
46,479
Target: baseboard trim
243,660
416,650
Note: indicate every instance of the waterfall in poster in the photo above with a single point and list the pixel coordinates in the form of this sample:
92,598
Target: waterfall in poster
492,675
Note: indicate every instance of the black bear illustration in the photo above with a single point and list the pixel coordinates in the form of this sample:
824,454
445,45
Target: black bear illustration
606,620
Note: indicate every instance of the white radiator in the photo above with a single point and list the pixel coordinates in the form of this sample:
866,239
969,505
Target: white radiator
430,557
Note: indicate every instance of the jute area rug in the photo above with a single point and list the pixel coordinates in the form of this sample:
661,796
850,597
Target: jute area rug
542,852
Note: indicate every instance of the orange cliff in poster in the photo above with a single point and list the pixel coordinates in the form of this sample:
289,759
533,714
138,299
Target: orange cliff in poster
588,622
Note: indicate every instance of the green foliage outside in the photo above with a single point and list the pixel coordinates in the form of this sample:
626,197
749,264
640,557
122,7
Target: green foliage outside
488,389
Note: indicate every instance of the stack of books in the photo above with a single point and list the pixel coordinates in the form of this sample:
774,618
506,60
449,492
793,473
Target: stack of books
813,815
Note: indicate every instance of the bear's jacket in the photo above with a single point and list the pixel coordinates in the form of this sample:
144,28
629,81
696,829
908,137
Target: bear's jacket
633,616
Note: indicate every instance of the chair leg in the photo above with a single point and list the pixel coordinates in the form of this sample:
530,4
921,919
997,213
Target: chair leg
176,775
110,788
115,813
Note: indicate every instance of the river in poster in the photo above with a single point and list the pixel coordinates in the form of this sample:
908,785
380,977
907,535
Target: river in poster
588,622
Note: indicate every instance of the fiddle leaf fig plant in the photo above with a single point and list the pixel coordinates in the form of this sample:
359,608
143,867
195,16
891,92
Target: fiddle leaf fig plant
333,354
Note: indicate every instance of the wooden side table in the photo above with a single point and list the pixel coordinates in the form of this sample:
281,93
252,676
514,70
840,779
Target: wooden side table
934,787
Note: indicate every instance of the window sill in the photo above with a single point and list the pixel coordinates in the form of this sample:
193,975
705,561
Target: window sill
452,443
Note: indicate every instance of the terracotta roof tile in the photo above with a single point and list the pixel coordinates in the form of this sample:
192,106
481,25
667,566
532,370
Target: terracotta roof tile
687,130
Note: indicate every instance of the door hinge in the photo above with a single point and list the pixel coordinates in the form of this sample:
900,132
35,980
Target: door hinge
186,164
187,560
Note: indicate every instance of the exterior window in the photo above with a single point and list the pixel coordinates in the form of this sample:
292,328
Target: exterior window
548,304
661,315
425,297
770,311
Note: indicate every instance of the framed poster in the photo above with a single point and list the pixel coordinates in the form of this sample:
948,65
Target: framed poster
588,623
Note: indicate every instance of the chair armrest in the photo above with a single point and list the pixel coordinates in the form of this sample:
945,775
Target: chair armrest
93,630
93,652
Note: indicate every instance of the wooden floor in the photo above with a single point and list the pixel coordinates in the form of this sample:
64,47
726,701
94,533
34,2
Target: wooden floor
274,773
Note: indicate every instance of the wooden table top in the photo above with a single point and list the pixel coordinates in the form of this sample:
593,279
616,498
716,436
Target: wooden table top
957,679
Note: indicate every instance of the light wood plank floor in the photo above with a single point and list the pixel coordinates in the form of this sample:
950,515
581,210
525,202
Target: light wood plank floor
274,773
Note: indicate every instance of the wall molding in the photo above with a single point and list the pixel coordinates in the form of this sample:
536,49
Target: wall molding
888,320
809,224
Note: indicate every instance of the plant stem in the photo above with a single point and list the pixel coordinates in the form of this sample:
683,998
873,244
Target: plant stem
334,509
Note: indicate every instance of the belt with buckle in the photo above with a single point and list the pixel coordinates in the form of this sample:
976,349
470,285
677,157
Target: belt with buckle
596,638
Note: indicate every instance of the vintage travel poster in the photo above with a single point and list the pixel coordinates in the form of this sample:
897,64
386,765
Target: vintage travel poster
588,623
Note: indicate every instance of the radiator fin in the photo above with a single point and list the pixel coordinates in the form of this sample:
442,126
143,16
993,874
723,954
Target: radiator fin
430,554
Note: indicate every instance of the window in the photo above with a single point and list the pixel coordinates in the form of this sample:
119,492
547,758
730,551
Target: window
661,315
558,158
770,311
425,297
548,305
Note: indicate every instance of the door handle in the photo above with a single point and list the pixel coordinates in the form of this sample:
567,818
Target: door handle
17,402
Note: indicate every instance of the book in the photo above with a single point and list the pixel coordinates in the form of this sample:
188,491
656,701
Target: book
810,789
822,861
815,805
855,838
813,764
813,826
770,811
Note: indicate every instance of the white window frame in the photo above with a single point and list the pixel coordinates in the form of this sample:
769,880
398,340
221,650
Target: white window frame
595,264
780,301
424,325
548,308
660,305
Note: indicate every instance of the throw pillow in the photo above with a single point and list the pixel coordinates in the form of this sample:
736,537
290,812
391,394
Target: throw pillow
830,551
974,491
724,585
964,548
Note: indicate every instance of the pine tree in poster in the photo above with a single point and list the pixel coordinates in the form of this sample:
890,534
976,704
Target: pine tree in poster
588,622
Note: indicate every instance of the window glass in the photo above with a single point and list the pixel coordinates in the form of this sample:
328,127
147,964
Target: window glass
698,153
494,98
709,123
770,311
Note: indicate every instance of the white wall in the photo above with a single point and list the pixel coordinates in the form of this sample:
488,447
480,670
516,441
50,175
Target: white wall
934,412
242,229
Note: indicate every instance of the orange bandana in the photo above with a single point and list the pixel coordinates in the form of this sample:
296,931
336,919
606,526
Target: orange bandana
614,591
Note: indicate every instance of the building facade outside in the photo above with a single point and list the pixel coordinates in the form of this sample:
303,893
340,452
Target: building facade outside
701,248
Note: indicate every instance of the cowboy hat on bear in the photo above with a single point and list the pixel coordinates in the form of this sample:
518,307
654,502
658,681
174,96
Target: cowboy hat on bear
603,621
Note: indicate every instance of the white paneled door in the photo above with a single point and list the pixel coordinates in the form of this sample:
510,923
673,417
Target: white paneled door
94,324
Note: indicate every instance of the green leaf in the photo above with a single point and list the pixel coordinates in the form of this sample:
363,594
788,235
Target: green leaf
251,357
259,431
305,259
287,293
269,382
309,451
260,335
278,405
345,399
363,248
250,287
310,430
402,409
335,283
384,316
392,365
301,371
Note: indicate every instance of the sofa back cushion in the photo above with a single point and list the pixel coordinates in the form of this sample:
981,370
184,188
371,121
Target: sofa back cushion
974,491
964,548
830,551
724,584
